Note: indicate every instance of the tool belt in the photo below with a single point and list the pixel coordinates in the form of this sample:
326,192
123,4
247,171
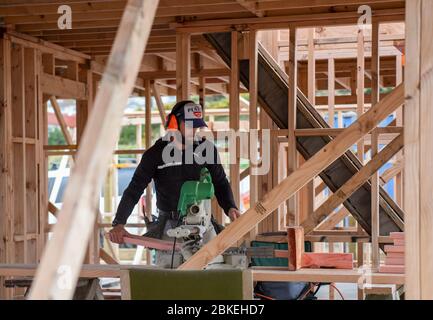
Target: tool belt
155,228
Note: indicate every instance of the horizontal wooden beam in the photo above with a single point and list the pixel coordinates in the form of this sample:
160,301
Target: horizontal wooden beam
63,88
98,68
284,4
283,21
115,12
47,47
160,74
263,274
324,275
350,233
74,32
319,132
72,152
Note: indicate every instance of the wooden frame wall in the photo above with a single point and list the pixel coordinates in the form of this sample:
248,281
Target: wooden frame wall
418,181
24,202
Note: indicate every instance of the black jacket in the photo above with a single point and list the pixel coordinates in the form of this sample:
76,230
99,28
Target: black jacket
169,178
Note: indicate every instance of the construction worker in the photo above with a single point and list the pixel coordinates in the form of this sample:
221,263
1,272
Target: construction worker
185,119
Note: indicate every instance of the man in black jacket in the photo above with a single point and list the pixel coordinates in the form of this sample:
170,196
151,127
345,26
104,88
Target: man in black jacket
170,163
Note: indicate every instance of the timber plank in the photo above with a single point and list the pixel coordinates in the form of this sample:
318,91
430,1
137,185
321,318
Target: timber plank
327,260
391,269
392,248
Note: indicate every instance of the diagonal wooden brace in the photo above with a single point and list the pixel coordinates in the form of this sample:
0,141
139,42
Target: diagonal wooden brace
353,184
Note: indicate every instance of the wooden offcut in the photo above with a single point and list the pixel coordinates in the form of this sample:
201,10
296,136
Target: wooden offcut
317,260
295,242
397,249
151,243
391,269
327,260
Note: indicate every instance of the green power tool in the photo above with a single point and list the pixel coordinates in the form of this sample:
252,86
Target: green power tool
195,214
193,192
194,209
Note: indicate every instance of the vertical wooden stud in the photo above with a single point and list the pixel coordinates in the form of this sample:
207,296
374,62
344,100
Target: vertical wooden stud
183,62
295,242
292,203
375,94
234,115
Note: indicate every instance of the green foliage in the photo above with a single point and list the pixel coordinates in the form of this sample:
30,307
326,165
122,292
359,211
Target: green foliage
56,137
216,102
127,135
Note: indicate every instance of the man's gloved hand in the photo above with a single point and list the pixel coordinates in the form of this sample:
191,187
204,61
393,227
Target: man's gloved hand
234,214
117,233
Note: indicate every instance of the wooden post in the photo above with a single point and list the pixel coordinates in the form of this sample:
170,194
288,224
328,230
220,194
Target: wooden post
375,231
360,110
398,182
202,93
6,165
295,244
292,158
19,150
290,185
234,115
32,150
139,139
331,250
375,187
183,63
43,160
418,132
65,251
147,144
306,197
311,68
360,88
253,55
159,103
331,91
84,107
308,192
148,141
340,123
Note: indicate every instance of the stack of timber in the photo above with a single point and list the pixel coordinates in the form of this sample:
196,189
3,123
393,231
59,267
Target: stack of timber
394,261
